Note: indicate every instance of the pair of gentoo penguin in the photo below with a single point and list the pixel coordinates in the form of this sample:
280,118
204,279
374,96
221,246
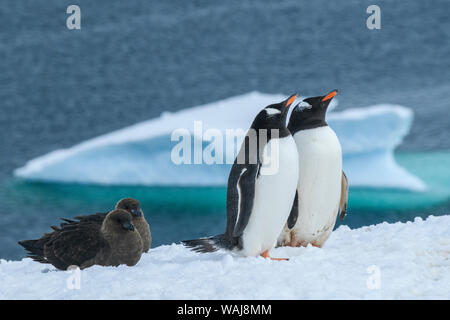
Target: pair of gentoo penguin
107,239
322,184
296,204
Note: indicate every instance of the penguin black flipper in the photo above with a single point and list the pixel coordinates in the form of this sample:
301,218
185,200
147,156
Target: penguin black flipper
292,219
240,198
246,196
344,196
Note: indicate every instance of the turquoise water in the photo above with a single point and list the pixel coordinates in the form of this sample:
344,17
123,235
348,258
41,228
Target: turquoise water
433,168
177,213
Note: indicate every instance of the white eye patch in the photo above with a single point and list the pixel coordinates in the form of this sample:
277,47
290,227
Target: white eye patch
272,111
304,105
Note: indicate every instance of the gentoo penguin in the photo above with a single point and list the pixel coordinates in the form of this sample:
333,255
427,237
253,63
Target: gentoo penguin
261,189
131,205
322,185
84,244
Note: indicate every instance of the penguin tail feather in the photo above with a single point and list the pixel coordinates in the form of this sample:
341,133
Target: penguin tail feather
203,245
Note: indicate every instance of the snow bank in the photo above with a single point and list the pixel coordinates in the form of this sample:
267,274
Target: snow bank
140,154
387,261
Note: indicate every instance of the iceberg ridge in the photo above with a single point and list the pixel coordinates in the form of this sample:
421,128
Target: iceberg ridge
140,154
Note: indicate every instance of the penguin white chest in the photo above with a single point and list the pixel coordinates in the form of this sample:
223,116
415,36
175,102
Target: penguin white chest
319,185
274,194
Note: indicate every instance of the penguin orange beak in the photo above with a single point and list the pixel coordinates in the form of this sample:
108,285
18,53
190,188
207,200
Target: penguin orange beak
330,95
290,100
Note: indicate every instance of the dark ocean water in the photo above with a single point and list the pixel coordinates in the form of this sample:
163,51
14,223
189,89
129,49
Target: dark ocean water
131,60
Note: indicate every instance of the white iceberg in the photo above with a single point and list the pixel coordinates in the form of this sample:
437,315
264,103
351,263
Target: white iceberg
387,261
141,154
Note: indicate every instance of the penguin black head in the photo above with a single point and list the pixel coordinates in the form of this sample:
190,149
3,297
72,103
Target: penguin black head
311,115
274,116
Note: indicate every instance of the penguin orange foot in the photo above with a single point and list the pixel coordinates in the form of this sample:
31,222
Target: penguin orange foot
265,254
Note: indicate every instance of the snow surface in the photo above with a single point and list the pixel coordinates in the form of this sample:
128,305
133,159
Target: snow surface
412,260
140,154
